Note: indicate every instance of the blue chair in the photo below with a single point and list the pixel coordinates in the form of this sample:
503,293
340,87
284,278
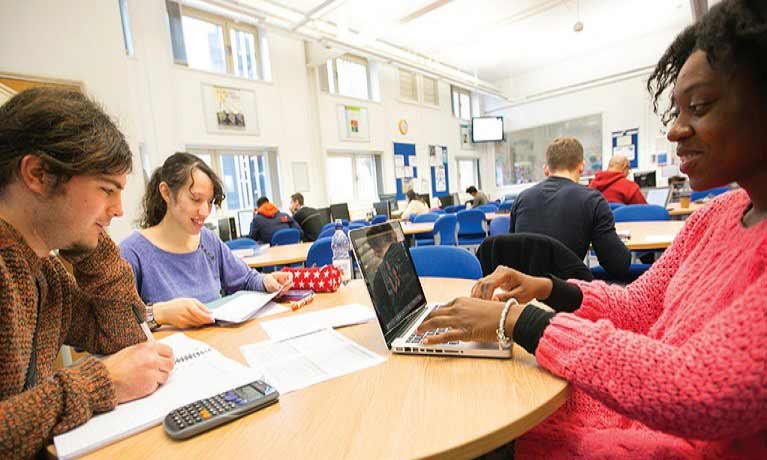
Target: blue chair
505,206
614,206
356,225
379,219
446,262
422,239
453,209
360,221
438,211
444,232
641,212
425,217
242,243
320,253
695,196
286,236
500,224
332,225
328,232
487,207
471,227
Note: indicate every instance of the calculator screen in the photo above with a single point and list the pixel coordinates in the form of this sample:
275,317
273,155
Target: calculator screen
249,393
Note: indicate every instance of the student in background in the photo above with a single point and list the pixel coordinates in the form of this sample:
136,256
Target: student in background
614,185
569,212
307,218
268,220
478,197
63,165
674,364
179,264
415,206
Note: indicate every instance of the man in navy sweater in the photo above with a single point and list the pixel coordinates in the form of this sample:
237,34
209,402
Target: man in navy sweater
267,220
569,212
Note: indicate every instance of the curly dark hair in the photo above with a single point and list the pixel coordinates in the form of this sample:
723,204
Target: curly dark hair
66,129
174,172
733,34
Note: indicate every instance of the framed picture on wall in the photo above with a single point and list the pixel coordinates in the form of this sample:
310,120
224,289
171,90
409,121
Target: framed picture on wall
229,110
353,123
466,143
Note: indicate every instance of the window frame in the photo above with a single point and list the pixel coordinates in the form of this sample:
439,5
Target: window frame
414,79
375,157
456,90
329,82
477,180
435,81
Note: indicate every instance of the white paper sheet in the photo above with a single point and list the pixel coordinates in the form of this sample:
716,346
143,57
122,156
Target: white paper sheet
302,361
293,326
658,238
242,307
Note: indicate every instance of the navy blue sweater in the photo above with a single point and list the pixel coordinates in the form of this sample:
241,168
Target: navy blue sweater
575,215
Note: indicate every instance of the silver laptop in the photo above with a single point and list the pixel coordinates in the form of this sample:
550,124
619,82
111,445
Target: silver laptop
398,297
658,196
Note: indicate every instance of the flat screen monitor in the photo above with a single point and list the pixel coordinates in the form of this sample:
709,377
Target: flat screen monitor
425,198
659,196
383,207
244,218
339,211
645,179
487,129
324,215
446,200
227,228
390,197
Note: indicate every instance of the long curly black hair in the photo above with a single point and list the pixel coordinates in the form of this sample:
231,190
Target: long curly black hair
733,34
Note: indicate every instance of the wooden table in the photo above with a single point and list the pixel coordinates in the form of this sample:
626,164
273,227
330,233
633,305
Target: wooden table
676,211
650,235
407,407
279,255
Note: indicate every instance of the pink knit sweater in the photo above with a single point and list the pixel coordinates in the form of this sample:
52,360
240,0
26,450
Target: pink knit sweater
673,366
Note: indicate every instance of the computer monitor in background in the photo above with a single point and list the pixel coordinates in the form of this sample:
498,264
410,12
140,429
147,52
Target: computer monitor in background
383,207
339,211
658,196
244,218
227,228
447,200
390,197
324,215
426,199
645,179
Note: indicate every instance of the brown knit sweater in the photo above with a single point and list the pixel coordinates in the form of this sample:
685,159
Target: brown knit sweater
91,310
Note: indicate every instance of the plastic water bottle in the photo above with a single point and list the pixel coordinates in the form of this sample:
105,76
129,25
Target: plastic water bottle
340,247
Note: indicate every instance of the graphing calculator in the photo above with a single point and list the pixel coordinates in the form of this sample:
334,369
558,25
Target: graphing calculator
202,415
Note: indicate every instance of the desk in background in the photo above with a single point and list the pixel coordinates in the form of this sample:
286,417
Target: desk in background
651,234
676,211
407,407
279,255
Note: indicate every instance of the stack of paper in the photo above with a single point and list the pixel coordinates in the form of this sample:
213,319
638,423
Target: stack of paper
240,306
293,326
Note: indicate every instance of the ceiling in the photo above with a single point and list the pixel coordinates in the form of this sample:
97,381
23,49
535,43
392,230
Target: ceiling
491,39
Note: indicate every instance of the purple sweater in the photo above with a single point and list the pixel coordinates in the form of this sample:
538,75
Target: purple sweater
201,274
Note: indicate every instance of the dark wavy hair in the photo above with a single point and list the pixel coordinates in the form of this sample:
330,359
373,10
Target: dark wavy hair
174,172
67,130
733,34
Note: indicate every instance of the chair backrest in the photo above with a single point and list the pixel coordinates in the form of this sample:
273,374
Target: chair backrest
425,217
505,206
360,221
320,253
328,232
500,224
471,222
356,225
332,225
286,236
640,212
452,209
487,207
445,230
241,243
694,196
614,206
379,219
446,261
533,254
438,211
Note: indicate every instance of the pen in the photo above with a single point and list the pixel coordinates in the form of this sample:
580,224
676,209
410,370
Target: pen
144,326
300,303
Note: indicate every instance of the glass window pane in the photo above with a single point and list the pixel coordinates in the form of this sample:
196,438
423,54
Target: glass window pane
456,104
366,179
244,53
204,42
465,100
231,182
352,78
340,190
466,174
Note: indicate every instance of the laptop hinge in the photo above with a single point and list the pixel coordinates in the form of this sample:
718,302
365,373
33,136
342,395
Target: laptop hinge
404,325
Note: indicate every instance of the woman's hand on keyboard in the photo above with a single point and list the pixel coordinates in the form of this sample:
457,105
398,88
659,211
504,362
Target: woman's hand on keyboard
512,283
467,319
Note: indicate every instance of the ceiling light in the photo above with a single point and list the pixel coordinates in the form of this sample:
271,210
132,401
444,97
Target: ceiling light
578,26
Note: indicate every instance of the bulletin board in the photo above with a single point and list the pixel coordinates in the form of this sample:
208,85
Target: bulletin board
439,175
626,143
405,170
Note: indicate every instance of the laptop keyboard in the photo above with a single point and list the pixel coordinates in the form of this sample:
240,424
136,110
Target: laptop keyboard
418,338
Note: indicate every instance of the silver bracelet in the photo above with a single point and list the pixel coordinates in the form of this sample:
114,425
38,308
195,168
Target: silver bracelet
503,341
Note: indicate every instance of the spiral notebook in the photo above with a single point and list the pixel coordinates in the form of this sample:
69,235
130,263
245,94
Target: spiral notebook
199,372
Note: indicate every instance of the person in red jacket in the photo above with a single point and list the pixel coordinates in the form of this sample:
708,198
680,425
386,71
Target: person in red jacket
614,185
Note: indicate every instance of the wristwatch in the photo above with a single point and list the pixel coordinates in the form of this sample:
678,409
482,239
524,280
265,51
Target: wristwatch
150,317
503,341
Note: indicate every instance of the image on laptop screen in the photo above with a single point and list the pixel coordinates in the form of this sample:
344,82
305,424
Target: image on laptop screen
658,196
389,273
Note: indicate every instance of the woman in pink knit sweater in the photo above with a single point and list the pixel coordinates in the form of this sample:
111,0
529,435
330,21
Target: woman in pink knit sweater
674,365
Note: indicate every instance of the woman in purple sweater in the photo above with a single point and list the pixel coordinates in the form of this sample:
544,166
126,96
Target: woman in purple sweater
179,264
674,365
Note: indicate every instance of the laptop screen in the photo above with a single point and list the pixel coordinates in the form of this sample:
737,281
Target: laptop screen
658,196
389,273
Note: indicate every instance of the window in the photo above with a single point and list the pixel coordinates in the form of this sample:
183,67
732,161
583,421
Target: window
408,88
247,176
468,173
125,20
347,75
461,103
365,173
208,42
430,91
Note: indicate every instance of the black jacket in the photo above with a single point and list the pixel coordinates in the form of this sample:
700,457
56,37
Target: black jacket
310,221
575,215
